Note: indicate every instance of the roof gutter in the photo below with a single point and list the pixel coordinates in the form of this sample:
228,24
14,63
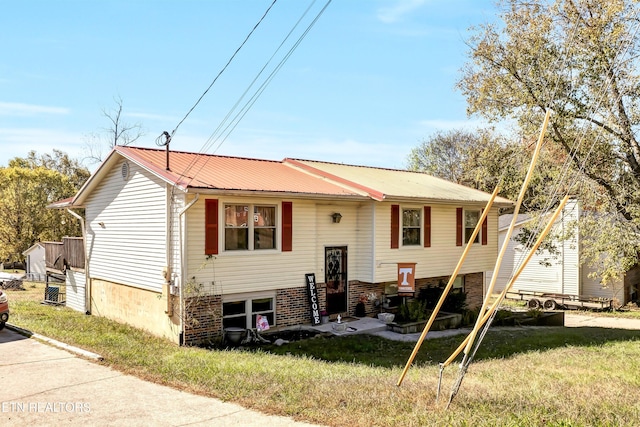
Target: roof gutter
276,194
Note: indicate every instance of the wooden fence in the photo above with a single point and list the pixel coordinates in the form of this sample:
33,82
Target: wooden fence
66,254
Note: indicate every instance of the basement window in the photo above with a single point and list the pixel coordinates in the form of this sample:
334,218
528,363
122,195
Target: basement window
242,313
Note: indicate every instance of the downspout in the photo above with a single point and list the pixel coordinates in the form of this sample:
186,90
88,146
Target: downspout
373,244
563,257
183,271
87,280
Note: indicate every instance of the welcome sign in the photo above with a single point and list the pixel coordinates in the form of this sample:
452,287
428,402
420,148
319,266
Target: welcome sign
312,292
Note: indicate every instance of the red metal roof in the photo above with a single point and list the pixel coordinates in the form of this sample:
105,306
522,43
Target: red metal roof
192,170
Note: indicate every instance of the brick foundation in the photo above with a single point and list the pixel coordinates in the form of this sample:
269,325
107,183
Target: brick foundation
292,305
202,319
203,314
474,287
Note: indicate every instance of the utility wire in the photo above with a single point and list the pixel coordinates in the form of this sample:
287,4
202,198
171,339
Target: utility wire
225,67
271,76
226,130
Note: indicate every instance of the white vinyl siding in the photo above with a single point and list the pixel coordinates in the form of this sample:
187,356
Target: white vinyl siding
364,230
543,273
129,247
441,258
593,287
231,272
36,269
76,290
362,254
546,273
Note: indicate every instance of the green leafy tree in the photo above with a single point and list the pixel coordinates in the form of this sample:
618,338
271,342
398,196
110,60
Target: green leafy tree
579,59
27,186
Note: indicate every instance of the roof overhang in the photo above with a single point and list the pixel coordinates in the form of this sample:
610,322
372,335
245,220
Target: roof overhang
61,204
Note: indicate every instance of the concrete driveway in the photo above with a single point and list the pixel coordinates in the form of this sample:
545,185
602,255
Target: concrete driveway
41,385
573,320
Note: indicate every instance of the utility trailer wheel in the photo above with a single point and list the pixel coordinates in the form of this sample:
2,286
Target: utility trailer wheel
550,304
533,303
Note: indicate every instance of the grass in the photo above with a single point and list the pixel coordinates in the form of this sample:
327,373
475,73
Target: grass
520,377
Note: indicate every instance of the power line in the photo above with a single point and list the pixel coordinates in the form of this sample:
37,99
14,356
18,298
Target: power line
225,67
217,135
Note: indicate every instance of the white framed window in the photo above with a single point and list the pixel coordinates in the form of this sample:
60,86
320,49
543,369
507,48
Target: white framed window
411,226
471,218
242,311
249,227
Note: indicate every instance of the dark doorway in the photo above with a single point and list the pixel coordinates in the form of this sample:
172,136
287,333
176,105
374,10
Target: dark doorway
335,267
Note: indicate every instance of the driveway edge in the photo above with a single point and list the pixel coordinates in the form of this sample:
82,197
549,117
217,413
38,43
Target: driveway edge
54,343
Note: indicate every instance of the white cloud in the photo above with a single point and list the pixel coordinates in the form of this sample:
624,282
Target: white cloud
19,109
17,142
396,13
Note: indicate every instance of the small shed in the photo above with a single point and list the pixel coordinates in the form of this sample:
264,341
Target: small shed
35,267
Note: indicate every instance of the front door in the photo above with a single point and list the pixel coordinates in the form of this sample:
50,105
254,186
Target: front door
335,267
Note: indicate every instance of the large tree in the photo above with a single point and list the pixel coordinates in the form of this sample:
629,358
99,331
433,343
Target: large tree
579,59
27,186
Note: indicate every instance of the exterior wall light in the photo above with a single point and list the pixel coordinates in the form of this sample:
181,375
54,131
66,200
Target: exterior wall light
336,217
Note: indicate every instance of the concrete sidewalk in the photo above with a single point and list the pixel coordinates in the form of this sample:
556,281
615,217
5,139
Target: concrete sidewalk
47,386
373,326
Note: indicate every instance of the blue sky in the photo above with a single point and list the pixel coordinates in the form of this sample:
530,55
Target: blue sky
369,82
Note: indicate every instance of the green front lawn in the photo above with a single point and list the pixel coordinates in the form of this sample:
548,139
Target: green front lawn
521,377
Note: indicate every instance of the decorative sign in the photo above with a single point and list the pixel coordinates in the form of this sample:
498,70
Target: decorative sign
406,277
312,292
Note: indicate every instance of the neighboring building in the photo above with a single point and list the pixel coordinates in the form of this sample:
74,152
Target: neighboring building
183,244
35,267
561,272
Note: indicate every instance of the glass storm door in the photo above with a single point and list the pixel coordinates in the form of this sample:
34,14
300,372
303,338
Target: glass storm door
335,267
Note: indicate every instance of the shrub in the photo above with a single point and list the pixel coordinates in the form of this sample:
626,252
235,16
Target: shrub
412,311
455,302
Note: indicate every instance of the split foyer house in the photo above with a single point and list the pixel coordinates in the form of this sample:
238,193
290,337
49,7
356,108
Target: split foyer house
185,244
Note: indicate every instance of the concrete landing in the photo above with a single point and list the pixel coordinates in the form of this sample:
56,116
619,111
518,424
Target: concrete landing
373,326
354,325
